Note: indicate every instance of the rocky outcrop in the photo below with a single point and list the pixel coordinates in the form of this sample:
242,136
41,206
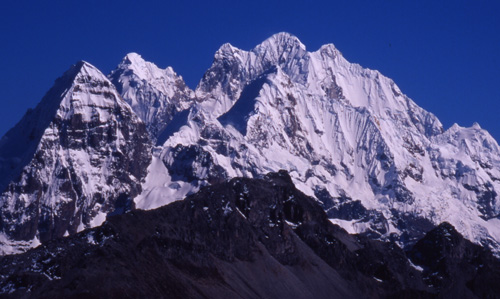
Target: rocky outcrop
244,238
454,266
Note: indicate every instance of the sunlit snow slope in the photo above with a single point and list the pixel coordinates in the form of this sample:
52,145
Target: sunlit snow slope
378,163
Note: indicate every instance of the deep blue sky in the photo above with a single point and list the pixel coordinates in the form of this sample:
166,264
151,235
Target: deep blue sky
443,54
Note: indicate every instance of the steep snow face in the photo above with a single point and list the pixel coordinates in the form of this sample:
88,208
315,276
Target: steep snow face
377,162
233,68
154,94
86,155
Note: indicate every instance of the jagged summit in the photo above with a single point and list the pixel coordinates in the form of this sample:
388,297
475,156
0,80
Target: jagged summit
83,71
79,66
226,49
80,154
144,69
133,58
234,68
17,146
80,71
347,135
89,88
329,48
280,42
83,67
156,95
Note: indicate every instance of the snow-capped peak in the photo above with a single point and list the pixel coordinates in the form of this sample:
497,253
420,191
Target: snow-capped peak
80,154
86,69
147,71
154,94
90,88
133,58
225,50
281,41
347,135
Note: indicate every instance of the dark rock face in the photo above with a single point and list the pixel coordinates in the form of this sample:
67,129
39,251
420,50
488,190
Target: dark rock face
456,267
246,238
193,163
90,153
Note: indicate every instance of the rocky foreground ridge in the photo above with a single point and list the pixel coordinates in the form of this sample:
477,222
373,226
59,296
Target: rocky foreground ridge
246,238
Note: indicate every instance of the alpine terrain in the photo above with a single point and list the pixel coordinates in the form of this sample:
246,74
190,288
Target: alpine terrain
375,162
81,154
246,238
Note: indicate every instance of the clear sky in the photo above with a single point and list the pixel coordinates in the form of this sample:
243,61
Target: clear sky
443,54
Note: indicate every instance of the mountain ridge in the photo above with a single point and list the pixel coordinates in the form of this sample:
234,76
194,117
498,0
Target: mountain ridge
378,163
354,122
245,238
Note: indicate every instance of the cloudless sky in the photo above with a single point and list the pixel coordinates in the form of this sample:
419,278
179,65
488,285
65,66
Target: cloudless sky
442,54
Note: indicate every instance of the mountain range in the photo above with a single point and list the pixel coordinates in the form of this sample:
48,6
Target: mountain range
376,163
